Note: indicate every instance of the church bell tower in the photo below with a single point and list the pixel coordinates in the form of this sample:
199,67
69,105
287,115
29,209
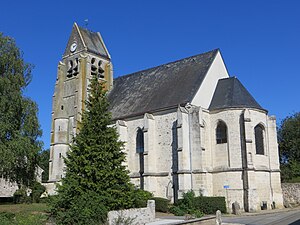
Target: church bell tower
85,56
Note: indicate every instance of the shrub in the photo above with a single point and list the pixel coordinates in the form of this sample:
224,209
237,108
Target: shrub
20,196
209,205
140,198
177,211
87,208
37,190
186,205
161,204
196,206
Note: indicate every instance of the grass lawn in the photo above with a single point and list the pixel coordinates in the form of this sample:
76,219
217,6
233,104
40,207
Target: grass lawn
23,214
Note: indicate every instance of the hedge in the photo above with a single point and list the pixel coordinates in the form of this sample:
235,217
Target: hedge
209,205
190,204
161,204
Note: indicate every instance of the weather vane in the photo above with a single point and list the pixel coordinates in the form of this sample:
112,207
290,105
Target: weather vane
86,21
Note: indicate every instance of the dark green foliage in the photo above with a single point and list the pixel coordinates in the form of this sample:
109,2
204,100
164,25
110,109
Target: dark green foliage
186,205
209,205
36,191
6,218
177,211
290,172
45,200
43,161
20,196
161,204
7,215
19,126
87,208
94,164
190,204
289,148
140,198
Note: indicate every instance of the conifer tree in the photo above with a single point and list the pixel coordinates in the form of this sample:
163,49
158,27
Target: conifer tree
95,160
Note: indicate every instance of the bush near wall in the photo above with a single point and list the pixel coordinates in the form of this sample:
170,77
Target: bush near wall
209,205
140,198
186,205
161,204
190,204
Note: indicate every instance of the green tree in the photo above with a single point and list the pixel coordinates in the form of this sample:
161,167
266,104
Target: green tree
44,163
19,125
289,147
94,164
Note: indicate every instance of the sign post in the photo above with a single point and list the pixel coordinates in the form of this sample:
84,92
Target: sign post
226,187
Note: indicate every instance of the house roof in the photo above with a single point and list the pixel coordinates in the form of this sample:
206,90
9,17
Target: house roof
161,87
230,93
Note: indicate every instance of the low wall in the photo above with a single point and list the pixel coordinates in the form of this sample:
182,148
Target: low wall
7,189
291,194
133,216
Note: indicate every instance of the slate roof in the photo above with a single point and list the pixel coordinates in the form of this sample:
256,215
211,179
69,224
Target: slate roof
93,42
86,40
161,87
230,93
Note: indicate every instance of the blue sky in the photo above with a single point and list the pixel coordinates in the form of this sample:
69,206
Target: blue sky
259,40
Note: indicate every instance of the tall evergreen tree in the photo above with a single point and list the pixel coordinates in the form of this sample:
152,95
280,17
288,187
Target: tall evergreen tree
95,162
19,125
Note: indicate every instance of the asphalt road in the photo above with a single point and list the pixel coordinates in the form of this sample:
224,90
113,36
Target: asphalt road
278,218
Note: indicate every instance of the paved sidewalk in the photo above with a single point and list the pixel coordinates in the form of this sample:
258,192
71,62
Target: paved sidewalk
263,212
170,219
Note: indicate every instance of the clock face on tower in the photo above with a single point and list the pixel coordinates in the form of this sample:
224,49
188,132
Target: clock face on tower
73,47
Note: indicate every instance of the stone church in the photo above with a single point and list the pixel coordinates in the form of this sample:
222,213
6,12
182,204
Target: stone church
187,125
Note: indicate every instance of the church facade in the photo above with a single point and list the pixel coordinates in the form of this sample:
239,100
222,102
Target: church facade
186,125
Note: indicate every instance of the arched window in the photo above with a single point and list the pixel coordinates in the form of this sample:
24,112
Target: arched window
221,133
140,141
140,150
259,139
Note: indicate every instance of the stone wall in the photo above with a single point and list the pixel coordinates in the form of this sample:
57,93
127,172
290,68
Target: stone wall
158,146
291,194
7,189
136,216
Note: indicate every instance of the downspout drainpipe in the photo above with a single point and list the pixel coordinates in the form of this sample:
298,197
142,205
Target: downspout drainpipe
244,163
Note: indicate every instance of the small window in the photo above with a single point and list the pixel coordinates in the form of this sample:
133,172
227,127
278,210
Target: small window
140,141
221,133
60,155
259,139
62,107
